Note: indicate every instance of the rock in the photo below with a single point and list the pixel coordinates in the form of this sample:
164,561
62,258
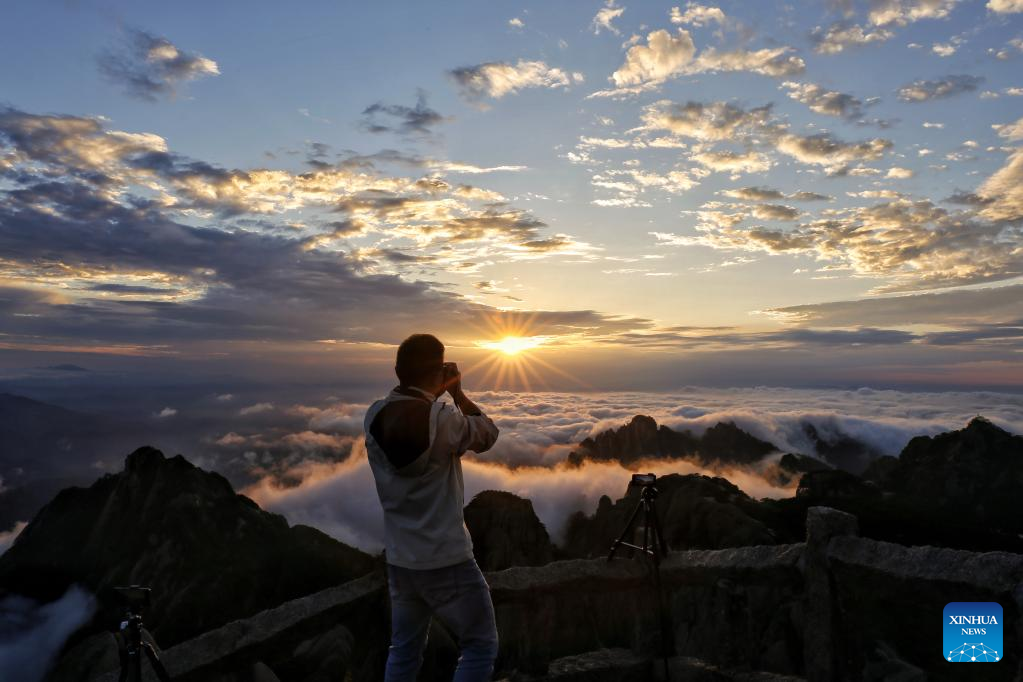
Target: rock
323,658
603,665
506,531
695,512
723,443
791,467
880,471
834,484
209,554
88,659
839,449
975,472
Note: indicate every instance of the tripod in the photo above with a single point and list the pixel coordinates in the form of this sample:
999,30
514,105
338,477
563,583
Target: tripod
653,546
131,645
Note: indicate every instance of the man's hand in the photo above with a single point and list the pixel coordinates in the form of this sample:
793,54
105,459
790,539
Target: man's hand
452,379
453,382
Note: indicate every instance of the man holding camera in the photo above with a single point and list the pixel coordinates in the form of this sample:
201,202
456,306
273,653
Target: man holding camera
414,443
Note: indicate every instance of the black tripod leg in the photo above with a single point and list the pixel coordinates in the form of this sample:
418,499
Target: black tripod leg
122,655
660,544
646,526
154,659
621,538
666,644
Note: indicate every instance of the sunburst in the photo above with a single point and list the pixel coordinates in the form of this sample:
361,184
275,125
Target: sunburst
515,361
512,345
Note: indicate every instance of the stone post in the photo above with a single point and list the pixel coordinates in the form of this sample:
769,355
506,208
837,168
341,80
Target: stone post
820,648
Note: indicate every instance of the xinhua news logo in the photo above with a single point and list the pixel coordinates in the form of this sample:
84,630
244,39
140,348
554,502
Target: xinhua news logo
972,632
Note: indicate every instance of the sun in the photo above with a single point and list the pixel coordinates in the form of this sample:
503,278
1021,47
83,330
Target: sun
511,338
513,345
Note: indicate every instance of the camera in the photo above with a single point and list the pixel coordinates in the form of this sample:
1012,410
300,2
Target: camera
643,479
135,597
450,370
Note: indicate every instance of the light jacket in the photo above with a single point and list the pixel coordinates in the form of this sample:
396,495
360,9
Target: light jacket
421,491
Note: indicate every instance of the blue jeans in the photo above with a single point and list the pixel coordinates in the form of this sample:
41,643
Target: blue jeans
460,597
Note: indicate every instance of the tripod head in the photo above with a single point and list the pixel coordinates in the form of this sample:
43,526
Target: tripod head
135,597
646,484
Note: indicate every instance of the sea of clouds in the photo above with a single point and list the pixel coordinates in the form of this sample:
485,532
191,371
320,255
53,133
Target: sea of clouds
333,490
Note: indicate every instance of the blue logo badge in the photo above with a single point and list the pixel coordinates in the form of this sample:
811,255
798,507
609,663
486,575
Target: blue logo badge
972,632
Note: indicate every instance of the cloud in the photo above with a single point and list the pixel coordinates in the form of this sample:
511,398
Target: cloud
664,55
497,79
733,162
1005,6
166,412
697,15
838,36
898,173
768,194
1010,131
775,212
35,634
417,120
515,22
538,430
1004,194
255,409
926,90
187,257
914,244
902,12
825,150
604,18
966,307
722,121
1011,49
828,102
150,67
773,61
707,122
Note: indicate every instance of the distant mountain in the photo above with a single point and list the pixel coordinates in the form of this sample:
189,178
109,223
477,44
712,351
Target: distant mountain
44,448
723,444
33,435
959,489
209,554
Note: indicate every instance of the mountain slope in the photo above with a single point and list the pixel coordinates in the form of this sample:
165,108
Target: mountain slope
210,555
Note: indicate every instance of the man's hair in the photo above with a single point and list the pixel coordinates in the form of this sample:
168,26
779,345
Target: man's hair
419,356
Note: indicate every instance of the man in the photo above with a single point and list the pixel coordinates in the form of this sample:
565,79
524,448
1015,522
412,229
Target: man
415,443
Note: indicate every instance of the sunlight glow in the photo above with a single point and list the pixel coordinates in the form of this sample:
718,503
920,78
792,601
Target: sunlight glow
512,366
510,345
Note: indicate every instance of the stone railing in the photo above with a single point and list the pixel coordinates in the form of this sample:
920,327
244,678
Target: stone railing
837,607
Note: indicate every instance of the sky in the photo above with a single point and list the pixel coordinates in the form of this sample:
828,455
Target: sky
640,196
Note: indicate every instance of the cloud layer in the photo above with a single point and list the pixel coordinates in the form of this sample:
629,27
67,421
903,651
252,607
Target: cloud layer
539,430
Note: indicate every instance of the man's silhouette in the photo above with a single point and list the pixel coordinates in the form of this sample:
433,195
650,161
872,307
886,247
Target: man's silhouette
415,443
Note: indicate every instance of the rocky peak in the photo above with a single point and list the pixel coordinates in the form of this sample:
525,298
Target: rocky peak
977,470
144,459
209,554
641,437
506,531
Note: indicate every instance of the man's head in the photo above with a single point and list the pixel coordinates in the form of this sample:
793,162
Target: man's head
420,363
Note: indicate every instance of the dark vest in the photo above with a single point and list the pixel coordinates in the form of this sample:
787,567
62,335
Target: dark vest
402,427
